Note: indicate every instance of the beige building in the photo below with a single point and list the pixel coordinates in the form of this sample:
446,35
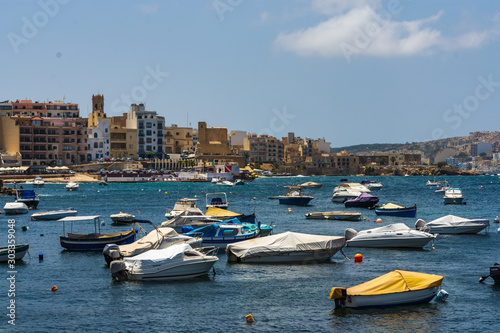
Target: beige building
97,110
212,140
9,142
331,164
178,139
122,140
263,148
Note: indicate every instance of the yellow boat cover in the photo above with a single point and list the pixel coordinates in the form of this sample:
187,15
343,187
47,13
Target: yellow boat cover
219,212
391,206
396,282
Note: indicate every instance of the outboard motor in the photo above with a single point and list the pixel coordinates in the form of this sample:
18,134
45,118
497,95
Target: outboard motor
420,224
350,233
111,252
118,270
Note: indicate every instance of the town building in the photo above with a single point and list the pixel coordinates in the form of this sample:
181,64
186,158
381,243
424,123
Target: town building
263,148
479,148
122,140
150,131
98,142
97,110
178,139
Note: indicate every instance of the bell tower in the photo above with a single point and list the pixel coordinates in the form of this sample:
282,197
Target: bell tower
97,110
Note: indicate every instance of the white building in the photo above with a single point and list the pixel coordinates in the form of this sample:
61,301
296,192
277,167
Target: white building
150,131
453,162
236,138
476,149
98,141
323,146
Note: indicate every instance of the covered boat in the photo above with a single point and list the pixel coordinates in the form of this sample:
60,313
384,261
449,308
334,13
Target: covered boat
286,247
311,184
391,209
13,252
175,262
346,216
14,208
451,224
221,234
346,194
397,235
182,205
364,200
295,196
352,186
122,218
53,214
392,289
28,197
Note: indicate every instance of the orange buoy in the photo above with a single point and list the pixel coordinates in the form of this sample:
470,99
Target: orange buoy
249,319
358,257
54,288
379,220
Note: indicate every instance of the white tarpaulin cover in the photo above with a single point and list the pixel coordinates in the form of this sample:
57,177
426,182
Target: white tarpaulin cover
157,257
388,228
449,221
151,241
285,243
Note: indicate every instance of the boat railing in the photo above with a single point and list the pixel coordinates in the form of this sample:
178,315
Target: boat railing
208,250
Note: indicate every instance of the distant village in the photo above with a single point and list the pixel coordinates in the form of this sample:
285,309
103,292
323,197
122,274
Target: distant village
54,134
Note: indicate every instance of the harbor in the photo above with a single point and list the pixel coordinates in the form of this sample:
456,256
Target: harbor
280,297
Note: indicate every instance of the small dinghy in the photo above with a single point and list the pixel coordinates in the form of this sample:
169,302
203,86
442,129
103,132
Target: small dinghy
345,216
14,208
392,289
15,252
53,214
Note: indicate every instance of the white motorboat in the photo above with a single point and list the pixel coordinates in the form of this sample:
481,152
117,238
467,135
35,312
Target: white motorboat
222,182
14,208
432,183
286,247
392,289
122,218
397,235
172,263
442,186
217,200
183,205
453,196
451,224
344,195
53,214
159,238
372,185
358,187
72,186
311,184
38,181
345,216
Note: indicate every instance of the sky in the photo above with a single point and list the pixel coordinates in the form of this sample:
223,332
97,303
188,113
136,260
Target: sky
352,72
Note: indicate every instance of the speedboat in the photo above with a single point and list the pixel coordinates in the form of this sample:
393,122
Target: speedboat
239,182
14,208
13,252
182,205
102,182
392,289
221,234
159,238
346,216
222,182
72,186
342,196
38,181
442,186
372,185
53,214
352,186
392,235
122,218
432,183
295,196
95,241
364,200
311,184
175,262
451,224
28,197
286,247
453,196
391,209
216,200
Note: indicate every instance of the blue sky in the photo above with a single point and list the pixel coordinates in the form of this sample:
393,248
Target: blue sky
353,72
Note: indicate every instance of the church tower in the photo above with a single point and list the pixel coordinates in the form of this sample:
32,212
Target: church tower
97,110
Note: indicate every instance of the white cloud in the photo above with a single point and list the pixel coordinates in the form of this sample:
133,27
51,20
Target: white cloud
149,8
368,29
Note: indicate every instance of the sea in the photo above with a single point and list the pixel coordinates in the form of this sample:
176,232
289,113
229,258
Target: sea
281,298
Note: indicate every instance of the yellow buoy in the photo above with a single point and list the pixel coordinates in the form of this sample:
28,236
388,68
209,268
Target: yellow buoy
249,319
289,209
166,192
253,198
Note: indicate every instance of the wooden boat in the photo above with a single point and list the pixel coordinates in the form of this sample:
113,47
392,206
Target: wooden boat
346,216
311,184
53,214
95,241
295,196
14,208
391,209
15,252
392,289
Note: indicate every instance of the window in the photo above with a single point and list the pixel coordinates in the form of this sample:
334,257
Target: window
95,135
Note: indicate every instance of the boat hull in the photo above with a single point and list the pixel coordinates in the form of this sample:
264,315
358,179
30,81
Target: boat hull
178,272
297,201
390,242
403,212
285,258
52,215
456,230
326,216
394,299
453,201
30,203
96,244
221,242
19,252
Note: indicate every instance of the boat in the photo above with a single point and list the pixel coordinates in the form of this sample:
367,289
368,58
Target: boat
295,196
372,185
358,187
364,200
393,235
442,187
287,247
451,224
224,214
346,216
221,234
13,252
28,197
185,222
53,214
103,183
391,209
432,183
158,238
95,241
453,196
182,205
311,184
494,274
222,182
38,181
72,186
217,200
14,208
239,182
392,289
122,218
347,194
175,262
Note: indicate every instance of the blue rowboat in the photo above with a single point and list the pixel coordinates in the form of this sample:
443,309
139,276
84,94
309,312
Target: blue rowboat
221,234
391,209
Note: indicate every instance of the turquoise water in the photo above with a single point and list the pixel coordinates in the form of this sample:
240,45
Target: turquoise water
285,298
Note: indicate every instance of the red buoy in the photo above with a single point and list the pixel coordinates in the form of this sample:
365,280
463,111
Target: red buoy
358,257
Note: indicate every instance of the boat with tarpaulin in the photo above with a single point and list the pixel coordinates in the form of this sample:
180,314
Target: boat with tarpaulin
391,209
